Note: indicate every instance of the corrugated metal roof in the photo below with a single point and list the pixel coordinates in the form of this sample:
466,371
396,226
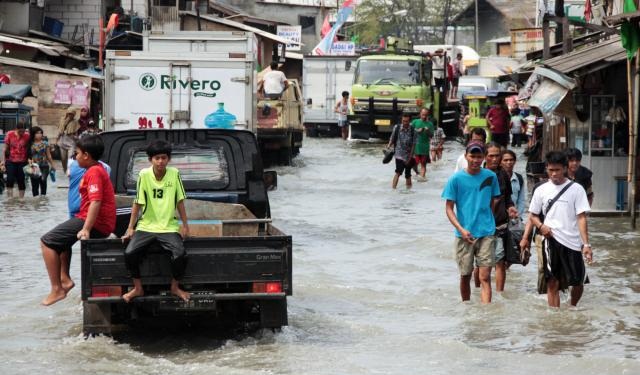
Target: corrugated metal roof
595,57
49,68
240,26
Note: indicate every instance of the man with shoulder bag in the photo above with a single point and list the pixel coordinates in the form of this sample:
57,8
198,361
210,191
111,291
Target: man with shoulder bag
565,206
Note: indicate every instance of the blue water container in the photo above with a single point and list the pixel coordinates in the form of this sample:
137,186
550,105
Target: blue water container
220,119
52,175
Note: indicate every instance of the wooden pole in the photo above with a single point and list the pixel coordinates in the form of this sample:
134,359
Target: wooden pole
546,47
101,43
477,36
633,134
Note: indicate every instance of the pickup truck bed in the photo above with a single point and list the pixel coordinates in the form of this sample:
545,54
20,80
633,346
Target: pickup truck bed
222,270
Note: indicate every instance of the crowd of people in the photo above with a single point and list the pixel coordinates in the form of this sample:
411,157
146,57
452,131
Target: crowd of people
485,202
28,153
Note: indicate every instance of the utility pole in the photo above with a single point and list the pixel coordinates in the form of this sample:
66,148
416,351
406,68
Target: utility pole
445,21
477,41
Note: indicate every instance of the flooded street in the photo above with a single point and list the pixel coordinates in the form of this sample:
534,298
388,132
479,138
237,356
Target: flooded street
375,291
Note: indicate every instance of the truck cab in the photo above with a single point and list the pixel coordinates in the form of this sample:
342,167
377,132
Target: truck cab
385,86
238,263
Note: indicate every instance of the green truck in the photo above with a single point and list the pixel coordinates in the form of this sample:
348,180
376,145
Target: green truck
389,82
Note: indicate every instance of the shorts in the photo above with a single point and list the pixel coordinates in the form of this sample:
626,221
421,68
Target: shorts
564,264
62,237
401,166
455,81
170,242
422,159
343,123
15,174
483,251
501,237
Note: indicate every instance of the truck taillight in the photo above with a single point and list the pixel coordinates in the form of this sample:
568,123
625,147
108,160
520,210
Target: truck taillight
419,102
275,287
106,291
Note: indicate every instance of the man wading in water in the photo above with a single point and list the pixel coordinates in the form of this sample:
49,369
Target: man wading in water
473,191
564,205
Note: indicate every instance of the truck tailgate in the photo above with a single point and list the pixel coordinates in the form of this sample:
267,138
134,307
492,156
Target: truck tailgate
211,261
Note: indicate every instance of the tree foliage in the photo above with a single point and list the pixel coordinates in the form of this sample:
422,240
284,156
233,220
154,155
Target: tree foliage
423,22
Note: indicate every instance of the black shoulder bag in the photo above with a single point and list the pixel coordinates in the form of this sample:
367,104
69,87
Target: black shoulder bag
552,201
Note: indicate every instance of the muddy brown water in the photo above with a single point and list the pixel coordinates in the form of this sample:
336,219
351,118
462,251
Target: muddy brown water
375,292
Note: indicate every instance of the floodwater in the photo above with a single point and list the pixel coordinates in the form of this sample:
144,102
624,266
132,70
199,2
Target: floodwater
375,292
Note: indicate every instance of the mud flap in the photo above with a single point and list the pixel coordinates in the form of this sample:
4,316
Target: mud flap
273,313
359,131
96,318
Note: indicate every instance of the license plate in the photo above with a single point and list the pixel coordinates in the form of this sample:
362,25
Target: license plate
382,122
197,302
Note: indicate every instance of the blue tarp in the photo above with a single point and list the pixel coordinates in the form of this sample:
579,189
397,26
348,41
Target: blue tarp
10,92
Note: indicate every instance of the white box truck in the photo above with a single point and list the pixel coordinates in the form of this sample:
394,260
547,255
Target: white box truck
179,79
325,78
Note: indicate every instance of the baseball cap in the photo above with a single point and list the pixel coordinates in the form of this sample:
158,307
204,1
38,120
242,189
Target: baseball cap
475,147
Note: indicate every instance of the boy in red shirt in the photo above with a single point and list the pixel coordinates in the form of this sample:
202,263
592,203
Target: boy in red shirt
96,218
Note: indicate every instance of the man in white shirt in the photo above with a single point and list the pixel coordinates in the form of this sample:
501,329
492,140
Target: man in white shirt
275,82
565,207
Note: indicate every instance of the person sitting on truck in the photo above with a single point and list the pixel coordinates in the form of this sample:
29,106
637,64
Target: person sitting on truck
159,192
342,109
274,82
96,219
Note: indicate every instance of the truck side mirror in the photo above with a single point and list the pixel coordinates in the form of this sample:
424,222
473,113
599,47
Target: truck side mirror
270,179
347,65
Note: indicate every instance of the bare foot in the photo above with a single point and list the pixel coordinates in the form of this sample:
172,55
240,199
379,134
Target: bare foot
176,291
68,285
133,294
54,297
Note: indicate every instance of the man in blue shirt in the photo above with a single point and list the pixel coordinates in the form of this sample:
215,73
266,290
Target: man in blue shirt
470,195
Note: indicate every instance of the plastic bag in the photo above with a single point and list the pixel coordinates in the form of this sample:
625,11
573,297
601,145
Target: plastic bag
32,170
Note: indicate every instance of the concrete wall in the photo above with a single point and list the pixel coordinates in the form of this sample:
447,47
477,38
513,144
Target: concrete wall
14,17
288,14
75,13
46,113
89,12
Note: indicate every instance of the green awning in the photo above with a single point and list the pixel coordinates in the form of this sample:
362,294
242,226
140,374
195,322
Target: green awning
10,92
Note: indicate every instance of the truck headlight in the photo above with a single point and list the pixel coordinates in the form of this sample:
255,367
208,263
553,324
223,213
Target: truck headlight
361,107
411,108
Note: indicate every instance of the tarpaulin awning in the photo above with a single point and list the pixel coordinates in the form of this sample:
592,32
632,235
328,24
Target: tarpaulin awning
546,89
10,92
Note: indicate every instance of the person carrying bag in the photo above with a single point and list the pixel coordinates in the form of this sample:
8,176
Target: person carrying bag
67,136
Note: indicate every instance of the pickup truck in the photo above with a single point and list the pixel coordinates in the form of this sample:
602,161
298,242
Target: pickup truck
238,263
280,125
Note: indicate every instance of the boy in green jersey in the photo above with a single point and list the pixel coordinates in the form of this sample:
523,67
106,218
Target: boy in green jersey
159,193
